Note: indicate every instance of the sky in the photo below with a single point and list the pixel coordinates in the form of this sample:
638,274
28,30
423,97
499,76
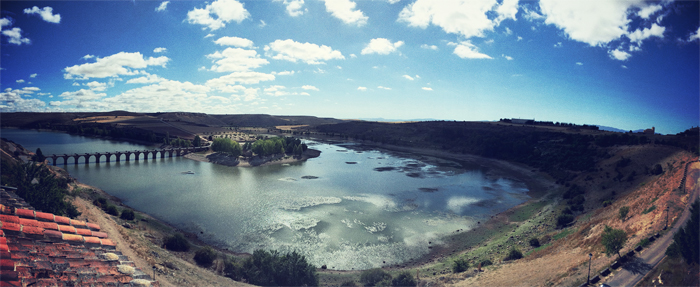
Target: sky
626,64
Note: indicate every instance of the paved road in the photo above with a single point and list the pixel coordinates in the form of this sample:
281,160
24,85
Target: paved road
632,272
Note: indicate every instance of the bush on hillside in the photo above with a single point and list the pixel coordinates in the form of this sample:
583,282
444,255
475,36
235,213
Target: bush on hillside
127,214
274,269
514,254
564,220
404,279
373,276
205,256
486,262
177,242
623,212
460,265
534,242
112,210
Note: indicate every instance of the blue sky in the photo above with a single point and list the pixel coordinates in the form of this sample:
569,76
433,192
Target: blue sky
625,64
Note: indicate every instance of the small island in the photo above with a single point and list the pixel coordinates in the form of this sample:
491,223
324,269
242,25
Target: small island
277,150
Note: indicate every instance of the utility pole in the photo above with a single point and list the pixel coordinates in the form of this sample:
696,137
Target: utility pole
590,256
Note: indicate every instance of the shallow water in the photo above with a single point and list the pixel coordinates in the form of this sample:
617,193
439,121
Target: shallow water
352,207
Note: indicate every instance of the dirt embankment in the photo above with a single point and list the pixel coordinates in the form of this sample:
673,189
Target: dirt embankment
222,159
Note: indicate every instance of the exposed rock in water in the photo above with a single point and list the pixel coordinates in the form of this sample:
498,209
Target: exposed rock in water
428,189
384,168
309,177
351,162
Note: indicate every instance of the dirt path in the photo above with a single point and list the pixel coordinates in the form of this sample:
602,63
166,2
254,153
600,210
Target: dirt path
642,264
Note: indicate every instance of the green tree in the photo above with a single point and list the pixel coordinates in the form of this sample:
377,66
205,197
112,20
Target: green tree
534,242
227,146
623,212
177,242
38,156
205,256
564,219
686,240
613,240
127,214
404,279
373,276
514,254
274,269
460,265
197,141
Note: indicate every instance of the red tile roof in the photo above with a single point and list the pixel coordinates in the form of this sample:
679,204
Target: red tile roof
43,216
46,251
26,213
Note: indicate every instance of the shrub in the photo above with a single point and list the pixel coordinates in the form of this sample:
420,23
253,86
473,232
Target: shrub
273,269
514,254
486,262
404,279
127,214
650,209
100,202
348,283
534,242
644,242
623,212
373,276
177,242
564,219
460,265
112,210
205,256
613,240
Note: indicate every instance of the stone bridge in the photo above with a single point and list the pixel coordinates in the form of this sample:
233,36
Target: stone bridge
153,154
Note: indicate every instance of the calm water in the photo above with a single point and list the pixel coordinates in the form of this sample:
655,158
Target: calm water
349,208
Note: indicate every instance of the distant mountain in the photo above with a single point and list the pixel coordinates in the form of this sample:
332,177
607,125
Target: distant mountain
396,120
611,129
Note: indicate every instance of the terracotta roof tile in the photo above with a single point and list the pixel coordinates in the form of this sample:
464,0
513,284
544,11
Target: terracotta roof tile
67,228
26,213
107,242
4,248
43,216
9,218
3,240
29,222
12,280
9,226
73,238
84,232
53,234
92,240
62,220
7,264
78,223
31,230
93,226
99,234
4,209
49,225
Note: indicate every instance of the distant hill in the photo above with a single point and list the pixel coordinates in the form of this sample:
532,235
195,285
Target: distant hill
262,120
397,120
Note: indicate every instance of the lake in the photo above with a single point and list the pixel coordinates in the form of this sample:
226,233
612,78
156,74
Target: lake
352,207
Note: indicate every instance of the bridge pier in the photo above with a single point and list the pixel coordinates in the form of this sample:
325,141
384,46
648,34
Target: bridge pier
75,159
97,157
54,157
119,155
108,156
87,158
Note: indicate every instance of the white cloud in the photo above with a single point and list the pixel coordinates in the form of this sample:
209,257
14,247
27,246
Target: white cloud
624,67
462,17
619,55
600,22
234,41
262,24
245,78
19,81
381,46
88,57
283,73
5,22
12,101
427,88
209,35
225,11
236,60
308,87
163,5
292,51
96,86
384,88
694,36
46,13
15,36
33,75
148,79
579,63
345,11
520,38
362,88
408,77
393,1
160,50
429,47
278,91
82,95
467,50
353,56
647,11
121,63
509,58
640,35
294,7
558,45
